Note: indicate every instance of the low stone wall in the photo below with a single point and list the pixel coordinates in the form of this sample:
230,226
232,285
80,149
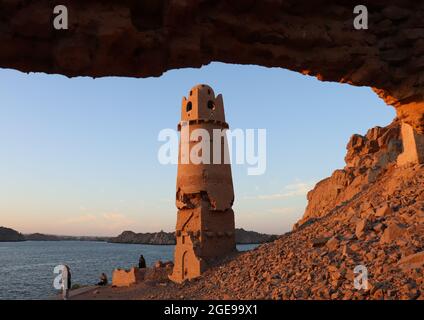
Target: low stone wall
126,278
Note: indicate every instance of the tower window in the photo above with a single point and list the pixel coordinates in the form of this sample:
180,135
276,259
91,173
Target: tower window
211,105
189,106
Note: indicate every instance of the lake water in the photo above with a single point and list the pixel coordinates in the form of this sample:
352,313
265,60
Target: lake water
26,268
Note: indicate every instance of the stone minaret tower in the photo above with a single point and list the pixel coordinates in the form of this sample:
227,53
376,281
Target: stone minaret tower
205,228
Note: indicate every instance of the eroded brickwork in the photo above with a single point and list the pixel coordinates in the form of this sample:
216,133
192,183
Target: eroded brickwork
205,228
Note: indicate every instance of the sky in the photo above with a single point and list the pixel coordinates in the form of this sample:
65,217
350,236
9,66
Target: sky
79,156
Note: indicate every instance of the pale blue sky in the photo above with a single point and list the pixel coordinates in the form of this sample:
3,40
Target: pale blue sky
79,156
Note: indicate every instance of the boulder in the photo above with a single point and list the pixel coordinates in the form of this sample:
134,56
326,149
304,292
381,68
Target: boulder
420,217
319,242
383,211
393,232
332,244
412,261
361,227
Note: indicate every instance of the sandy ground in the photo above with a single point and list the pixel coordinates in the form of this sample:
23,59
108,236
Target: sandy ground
141,291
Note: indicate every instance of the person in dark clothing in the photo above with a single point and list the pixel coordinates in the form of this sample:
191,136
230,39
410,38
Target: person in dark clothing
141,262
103,280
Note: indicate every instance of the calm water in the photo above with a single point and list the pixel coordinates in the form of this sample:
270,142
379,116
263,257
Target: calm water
26,268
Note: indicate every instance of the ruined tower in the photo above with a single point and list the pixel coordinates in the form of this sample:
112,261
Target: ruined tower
205,227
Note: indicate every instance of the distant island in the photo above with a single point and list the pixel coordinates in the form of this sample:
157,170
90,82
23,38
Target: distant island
50,237
160,238
10,235
7,234
166,238
129,237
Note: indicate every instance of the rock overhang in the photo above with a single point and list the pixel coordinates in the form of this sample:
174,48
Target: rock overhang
145,38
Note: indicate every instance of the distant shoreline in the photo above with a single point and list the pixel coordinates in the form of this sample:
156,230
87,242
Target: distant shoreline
129,237
113,243
168,238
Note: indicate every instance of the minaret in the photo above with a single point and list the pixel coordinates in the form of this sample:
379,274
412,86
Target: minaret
205,228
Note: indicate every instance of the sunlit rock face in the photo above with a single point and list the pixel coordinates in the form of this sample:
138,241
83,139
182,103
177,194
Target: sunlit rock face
369,158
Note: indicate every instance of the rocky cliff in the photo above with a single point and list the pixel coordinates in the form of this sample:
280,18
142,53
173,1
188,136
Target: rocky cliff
7,234
368,158
166,238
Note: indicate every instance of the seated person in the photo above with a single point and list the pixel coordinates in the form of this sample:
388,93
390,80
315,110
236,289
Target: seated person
103,280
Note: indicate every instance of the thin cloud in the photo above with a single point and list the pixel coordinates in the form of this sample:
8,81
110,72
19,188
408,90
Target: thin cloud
116,220
289,191
81,219
110,221
284,210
